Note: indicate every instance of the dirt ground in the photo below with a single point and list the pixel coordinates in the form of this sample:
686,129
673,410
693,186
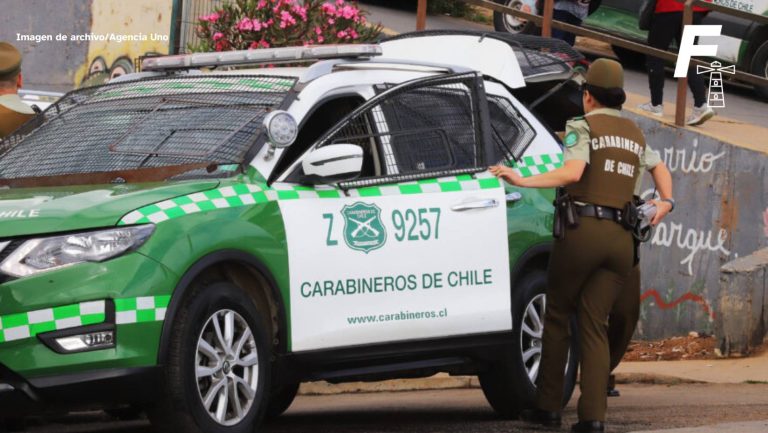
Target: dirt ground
689,347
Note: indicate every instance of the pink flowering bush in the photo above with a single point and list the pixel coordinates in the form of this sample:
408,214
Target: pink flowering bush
248,24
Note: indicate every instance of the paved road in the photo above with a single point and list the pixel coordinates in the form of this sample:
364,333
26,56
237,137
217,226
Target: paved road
641,407
741,104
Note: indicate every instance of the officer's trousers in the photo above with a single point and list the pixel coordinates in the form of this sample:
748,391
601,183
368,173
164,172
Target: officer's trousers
587,270
623,318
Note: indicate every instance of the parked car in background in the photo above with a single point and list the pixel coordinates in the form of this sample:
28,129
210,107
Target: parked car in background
742,42
39,98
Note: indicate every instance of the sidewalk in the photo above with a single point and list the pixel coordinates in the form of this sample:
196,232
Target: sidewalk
738,133
749,135
740,427
732,370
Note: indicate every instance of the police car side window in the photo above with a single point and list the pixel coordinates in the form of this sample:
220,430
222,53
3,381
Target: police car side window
430,129
511,132
415,131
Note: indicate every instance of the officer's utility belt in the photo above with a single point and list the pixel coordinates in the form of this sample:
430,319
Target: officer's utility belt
627,217
599,212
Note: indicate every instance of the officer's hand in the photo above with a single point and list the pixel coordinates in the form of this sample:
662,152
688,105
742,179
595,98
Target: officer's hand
506,173
662,209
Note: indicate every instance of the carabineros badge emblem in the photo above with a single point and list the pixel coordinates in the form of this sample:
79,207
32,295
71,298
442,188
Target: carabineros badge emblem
363,229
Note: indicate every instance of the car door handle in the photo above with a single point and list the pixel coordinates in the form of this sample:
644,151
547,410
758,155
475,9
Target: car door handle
480,204
513,197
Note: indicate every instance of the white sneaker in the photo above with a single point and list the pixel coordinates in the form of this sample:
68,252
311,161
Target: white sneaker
656,110
700,115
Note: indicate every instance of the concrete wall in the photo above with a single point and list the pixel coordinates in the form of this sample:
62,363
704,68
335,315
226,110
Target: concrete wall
743,305
63,65
722,195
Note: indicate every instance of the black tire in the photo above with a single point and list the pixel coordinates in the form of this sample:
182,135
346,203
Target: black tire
501,24
629,58
760,68
507,386
180,408
281,399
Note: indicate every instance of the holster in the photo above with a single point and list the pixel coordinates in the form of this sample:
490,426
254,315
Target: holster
629,216
565,214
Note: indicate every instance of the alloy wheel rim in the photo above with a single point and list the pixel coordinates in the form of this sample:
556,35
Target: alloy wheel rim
531,334
511,23
226,367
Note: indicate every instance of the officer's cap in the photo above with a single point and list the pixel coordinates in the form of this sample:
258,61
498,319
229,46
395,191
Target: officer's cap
10,60
606,73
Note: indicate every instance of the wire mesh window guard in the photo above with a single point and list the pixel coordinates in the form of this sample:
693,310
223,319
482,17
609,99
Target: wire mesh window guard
425,128
146,123
511,132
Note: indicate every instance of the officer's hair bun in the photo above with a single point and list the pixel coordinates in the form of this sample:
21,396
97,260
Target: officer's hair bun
612,98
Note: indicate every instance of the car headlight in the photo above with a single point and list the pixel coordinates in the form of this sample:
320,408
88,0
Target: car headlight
45,254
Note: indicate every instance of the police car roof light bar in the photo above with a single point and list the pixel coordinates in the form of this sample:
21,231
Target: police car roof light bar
260,56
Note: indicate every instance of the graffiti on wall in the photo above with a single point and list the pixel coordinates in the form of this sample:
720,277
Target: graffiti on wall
108,59
721,191
99,72
685,297
669,234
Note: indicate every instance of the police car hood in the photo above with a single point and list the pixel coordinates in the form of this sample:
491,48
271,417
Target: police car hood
30,211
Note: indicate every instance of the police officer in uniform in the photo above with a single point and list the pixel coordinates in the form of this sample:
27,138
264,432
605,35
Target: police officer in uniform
13,112
594,255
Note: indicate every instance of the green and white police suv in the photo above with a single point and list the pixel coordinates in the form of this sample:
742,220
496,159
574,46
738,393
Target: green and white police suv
196,240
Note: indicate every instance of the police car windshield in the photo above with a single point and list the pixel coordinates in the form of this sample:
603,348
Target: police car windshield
145,124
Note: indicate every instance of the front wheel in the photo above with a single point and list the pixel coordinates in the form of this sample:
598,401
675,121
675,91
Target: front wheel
510,384
218,365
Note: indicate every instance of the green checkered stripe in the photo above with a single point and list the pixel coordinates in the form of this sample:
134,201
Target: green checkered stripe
538,164
25,325
127,310
249,194
140,310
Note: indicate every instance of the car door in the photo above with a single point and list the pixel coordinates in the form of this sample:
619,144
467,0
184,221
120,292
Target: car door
416,248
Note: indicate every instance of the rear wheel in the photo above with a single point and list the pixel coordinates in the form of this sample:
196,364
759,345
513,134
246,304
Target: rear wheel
510,386
218,364
760,68
511,24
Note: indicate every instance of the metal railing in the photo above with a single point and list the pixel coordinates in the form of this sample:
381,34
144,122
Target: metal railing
546,22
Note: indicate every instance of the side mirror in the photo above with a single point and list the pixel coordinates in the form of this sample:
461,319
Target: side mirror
333,163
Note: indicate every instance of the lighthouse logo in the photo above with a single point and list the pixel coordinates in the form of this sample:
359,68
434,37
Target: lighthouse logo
689,48
715,96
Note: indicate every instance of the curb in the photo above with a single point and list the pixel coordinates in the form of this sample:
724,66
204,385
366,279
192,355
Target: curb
436,382
652,379
445,381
